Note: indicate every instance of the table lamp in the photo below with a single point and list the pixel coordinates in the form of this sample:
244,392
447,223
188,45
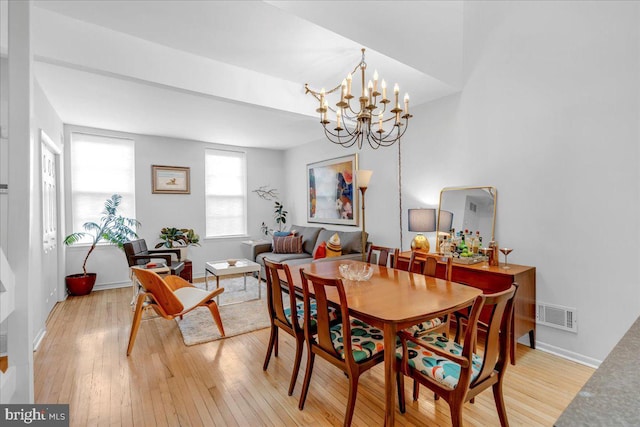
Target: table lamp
421,221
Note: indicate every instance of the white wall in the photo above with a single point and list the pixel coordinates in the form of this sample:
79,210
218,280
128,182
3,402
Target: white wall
45,118
548,115
156,211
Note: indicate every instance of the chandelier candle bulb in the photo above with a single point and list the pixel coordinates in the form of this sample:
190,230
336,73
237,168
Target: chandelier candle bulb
355,126
406,103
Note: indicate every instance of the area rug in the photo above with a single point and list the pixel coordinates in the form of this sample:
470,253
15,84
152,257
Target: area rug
198,327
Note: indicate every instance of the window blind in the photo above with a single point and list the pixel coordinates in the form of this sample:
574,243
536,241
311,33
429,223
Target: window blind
100,167
226,193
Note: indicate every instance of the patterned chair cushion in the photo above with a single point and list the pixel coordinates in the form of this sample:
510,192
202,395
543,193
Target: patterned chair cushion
333,314
366,341
424,327
439,368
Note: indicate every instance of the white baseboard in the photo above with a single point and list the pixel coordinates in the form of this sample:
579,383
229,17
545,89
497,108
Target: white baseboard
38,339
570,355
112,285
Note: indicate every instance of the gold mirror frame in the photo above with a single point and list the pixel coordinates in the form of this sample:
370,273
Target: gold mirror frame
490,191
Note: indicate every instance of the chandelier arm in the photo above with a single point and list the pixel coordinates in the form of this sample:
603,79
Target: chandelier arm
386,140
347,143
337,135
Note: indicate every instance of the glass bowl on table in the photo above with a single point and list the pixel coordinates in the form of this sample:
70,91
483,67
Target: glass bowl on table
357,272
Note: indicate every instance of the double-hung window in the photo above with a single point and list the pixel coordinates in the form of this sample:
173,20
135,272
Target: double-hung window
226,193
100,167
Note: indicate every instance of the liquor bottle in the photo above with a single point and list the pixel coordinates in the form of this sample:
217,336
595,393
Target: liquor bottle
476,243
463,245
493,255
446,247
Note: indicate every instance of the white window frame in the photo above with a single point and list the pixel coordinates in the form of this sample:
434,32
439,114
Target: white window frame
125,187
208,192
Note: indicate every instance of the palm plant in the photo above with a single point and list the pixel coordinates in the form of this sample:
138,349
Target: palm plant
112,228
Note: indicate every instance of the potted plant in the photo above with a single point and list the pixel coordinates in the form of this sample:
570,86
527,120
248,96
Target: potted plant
280,215
180,238
112,228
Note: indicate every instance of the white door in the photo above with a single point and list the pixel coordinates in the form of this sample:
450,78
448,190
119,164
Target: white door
49,224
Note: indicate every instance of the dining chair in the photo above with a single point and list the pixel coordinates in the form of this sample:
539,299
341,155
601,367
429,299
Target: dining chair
456,372
351,345
286,313
170,297
383,254
429,267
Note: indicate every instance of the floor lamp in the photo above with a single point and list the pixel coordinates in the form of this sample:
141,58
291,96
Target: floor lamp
362,179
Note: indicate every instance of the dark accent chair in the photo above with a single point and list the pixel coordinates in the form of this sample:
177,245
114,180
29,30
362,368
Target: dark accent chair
137,254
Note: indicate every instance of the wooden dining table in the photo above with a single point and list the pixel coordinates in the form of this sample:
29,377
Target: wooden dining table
391,301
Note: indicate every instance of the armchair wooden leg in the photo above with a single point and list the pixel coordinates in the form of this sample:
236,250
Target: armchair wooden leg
351,401
296,363
135,324
502,411
273,337
307,378
416,390
400,381
213,308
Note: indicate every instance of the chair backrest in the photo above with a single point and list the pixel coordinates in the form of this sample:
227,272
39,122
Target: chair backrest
498,331
315,287
162,293
276,294
133,248
383,254
430,263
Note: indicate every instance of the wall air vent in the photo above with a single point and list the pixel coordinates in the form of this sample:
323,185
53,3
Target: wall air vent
557,316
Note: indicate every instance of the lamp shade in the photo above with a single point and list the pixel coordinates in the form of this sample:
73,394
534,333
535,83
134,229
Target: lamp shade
422,220
363,177
446,221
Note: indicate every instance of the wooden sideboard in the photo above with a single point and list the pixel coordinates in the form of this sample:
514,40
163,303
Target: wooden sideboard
496,279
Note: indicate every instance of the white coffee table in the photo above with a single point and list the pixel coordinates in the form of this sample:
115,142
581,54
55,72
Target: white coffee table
222,268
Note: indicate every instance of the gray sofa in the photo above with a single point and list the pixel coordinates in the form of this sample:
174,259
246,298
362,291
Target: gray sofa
351,242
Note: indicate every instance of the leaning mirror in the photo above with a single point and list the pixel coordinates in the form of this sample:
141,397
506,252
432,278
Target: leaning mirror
467,208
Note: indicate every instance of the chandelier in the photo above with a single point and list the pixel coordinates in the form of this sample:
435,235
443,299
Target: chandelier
369,121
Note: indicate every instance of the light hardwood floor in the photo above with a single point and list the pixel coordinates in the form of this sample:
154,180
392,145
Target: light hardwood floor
82,361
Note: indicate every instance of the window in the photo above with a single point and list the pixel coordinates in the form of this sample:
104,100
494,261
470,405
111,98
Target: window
100,166
226,193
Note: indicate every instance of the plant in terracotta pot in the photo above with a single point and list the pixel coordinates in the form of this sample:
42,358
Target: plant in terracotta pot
112,228
180,238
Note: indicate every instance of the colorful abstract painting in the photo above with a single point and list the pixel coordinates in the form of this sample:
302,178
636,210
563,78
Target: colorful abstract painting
332,193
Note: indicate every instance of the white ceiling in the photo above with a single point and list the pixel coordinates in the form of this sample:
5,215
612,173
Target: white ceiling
202,69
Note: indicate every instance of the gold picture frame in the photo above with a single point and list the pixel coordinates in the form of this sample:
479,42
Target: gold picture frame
170,180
